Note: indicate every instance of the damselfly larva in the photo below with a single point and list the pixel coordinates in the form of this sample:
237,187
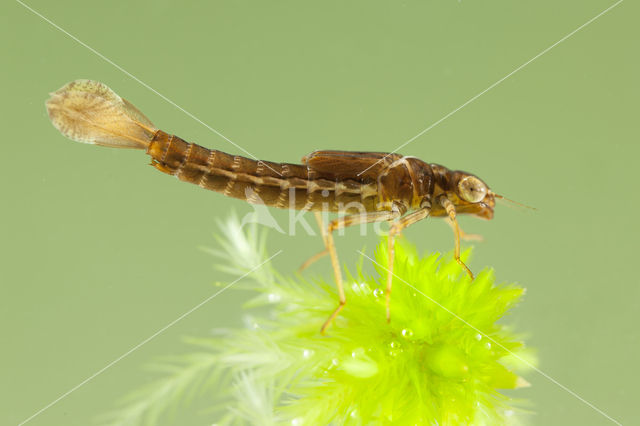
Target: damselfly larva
367,186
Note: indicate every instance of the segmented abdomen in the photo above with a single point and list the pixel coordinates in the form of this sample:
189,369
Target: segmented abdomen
282,185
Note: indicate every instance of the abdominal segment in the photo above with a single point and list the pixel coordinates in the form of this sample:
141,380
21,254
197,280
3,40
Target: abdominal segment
281,185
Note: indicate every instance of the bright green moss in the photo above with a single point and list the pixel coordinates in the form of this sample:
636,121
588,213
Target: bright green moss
442,360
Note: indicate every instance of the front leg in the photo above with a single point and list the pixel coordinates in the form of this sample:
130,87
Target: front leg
463,235
451,211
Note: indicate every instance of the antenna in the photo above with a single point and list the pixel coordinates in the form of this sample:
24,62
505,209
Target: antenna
502,197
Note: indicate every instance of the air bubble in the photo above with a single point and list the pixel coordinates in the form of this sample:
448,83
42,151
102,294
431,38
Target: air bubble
273,297
378,292
357,352
395,348
407,333
250,322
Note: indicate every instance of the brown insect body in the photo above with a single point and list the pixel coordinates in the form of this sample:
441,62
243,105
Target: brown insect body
281,185
369,186
320,184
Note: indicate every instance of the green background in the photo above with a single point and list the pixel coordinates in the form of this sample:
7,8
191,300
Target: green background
98,251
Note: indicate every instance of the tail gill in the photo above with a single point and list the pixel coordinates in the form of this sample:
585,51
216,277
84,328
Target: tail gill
88,111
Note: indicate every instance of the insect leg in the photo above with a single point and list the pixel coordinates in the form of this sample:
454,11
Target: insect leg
343,222
396,228
451,211
324,252
464,235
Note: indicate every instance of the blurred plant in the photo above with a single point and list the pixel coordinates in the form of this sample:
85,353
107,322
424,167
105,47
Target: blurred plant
440,361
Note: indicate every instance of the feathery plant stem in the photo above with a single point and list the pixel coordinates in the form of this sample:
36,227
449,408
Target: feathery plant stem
442,361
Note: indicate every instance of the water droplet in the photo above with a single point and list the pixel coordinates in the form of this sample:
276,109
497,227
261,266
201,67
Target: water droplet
273,297
354,414
357,352
407,333
335,362
355,287
487,345
395,348
478,337
296,422
378,292
250,322
363,286
307,353
508,413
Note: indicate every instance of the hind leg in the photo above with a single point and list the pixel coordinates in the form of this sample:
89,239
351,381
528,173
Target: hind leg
310,261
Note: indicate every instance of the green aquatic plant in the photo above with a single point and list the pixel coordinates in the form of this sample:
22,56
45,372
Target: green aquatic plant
442,360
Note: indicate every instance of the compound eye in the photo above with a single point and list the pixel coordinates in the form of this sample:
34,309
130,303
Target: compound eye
472,189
